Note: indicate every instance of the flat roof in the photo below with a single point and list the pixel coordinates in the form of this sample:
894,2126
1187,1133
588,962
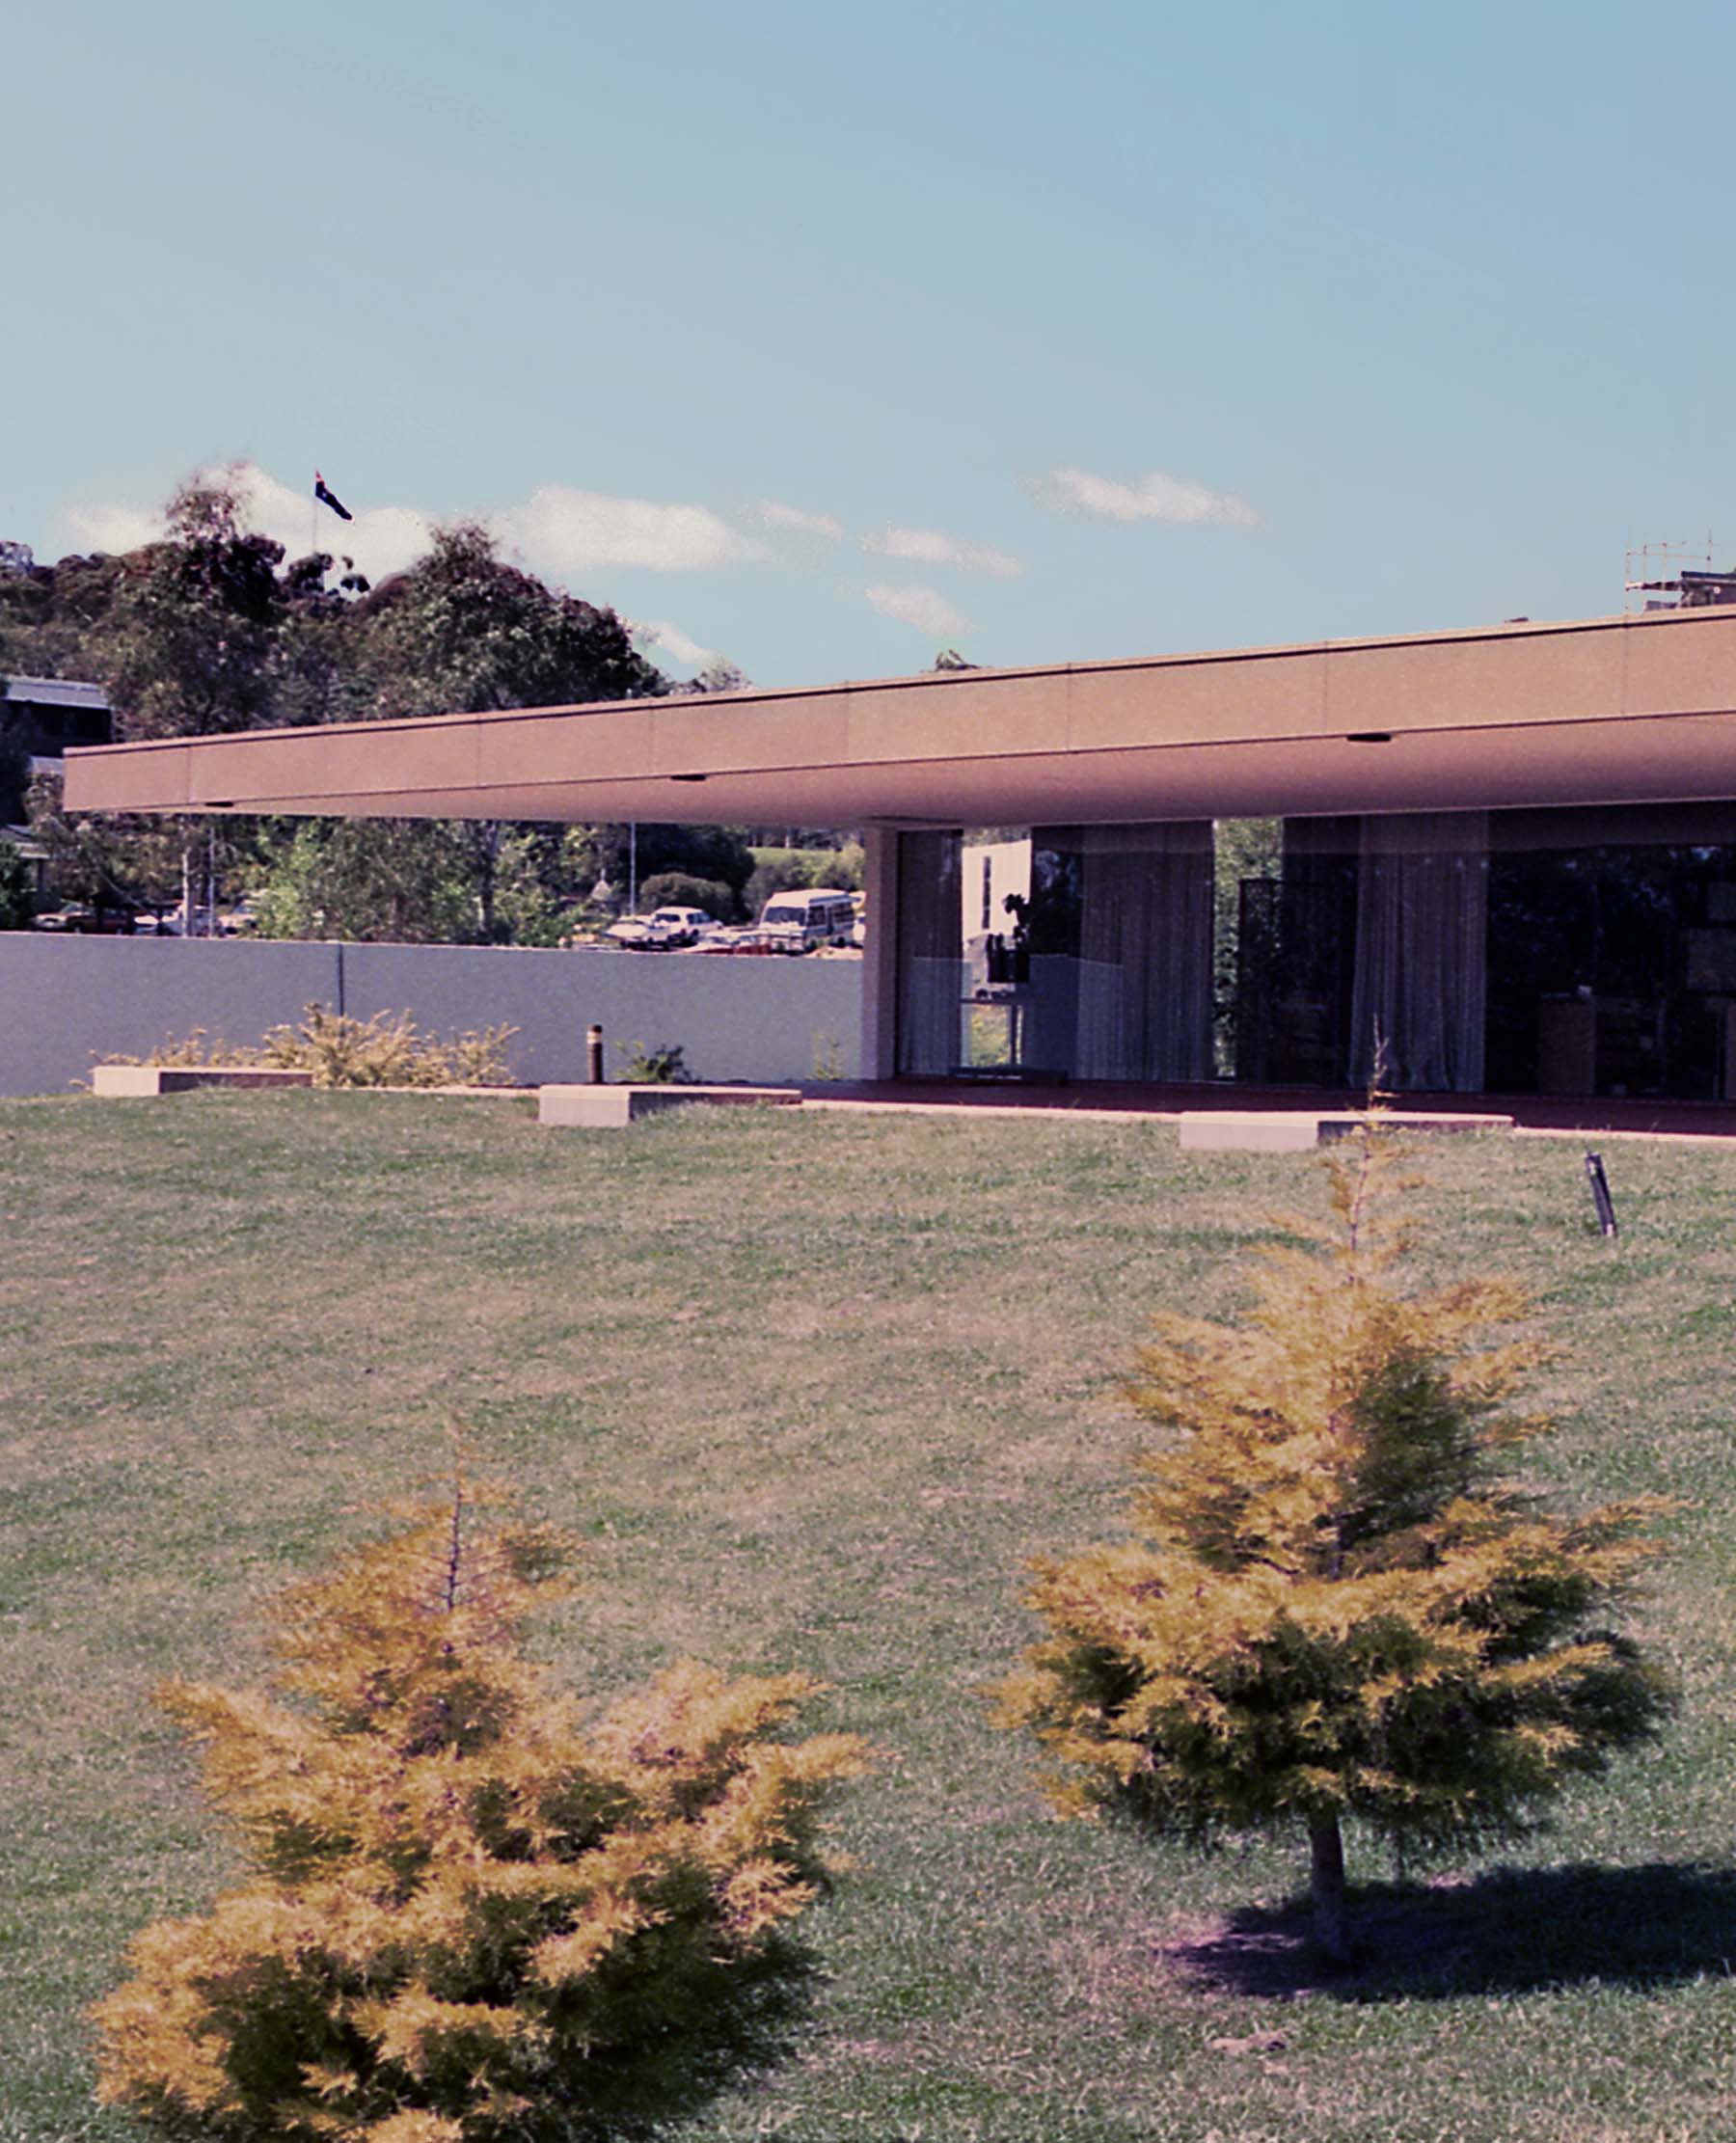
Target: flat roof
1622,710
53,691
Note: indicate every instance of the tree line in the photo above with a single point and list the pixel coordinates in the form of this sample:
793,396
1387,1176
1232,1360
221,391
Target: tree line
211,630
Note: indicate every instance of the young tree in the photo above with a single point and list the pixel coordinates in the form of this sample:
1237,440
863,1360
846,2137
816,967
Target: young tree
462,632
105,857
194,622
17,903
472,1915
403,882
1337,1603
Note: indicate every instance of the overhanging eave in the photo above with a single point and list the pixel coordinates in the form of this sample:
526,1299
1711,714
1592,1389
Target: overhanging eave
1609,710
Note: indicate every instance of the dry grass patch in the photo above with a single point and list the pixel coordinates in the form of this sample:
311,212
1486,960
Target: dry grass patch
812,1390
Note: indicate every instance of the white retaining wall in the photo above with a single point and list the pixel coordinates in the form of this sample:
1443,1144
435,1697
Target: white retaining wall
66,1001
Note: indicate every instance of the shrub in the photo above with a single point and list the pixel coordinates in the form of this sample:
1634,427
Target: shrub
679,889
477,1057
789,870
471,1916
198,1046
787,873
388,1050
660,1065
1337,1603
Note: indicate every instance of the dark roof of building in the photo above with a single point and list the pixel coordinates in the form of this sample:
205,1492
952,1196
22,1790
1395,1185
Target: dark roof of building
54,692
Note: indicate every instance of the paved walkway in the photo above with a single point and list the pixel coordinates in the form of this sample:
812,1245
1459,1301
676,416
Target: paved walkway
1534,1115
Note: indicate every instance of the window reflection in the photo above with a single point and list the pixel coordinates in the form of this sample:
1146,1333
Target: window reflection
1573,952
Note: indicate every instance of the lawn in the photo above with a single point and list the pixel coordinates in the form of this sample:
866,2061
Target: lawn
812,1389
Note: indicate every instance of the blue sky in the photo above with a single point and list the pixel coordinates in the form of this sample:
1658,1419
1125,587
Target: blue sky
824,335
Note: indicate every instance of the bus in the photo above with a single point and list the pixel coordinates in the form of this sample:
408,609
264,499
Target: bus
818,915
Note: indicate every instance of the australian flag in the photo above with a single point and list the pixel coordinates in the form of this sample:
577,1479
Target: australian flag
329,498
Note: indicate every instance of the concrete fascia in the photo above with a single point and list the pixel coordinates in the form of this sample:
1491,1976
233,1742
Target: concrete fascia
1633,709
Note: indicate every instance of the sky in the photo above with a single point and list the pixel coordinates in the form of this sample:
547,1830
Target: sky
820,337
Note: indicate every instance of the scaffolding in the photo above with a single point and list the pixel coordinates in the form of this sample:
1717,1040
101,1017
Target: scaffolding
1675,577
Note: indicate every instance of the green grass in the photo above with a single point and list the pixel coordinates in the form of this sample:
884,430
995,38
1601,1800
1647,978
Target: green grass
813,1389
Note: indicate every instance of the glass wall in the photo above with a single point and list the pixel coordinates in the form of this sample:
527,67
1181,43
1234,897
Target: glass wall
1613,952
930,953
1566,952
1569,951
1079,951
1374,936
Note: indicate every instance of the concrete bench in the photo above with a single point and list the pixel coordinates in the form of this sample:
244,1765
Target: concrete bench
604,1106
131,1082
1296,1131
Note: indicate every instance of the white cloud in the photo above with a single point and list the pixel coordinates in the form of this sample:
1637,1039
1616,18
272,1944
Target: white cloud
926,609
929,547
381,540
660,633
104,525
773,513
568,533
559,531
1154,496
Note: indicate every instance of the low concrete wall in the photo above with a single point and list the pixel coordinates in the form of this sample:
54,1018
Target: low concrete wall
66,1001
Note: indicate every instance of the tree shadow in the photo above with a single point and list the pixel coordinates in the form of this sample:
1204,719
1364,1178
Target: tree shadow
1511,1931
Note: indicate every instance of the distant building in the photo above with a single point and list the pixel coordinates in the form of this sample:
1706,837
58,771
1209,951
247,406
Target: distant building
1700,589
39,717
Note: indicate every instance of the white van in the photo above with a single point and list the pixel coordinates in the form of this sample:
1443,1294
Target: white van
821,915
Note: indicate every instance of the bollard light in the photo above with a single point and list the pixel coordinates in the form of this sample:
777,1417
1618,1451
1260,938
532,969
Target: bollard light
1600,1195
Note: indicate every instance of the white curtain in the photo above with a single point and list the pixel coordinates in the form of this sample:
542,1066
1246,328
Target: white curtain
1145,949
930,953
1422,930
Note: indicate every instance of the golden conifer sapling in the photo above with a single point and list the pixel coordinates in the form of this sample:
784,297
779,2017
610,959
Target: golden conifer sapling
1336,1600
472,1915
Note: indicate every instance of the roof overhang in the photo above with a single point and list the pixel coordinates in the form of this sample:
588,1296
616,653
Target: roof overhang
1610,711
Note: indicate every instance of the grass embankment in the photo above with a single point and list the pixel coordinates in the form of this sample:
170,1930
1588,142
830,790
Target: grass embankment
814,1389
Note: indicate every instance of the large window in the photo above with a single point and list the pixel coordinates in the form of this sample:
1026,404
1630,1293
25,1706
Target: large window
1572,952
1613,952
1079,951
930,952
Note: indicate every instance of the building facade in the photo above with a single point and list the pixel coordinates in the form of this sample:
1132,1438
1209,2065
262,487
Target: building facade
1504,860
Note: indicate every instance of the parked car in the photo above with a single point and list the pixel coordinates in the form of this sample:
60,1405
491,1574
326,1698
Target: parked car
240,921
172,922
108,919
632,931
664,929
682,926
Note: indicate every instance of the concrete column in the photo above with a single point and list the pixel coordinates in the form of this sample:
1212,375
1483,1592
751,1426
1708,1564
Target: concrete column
879,955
